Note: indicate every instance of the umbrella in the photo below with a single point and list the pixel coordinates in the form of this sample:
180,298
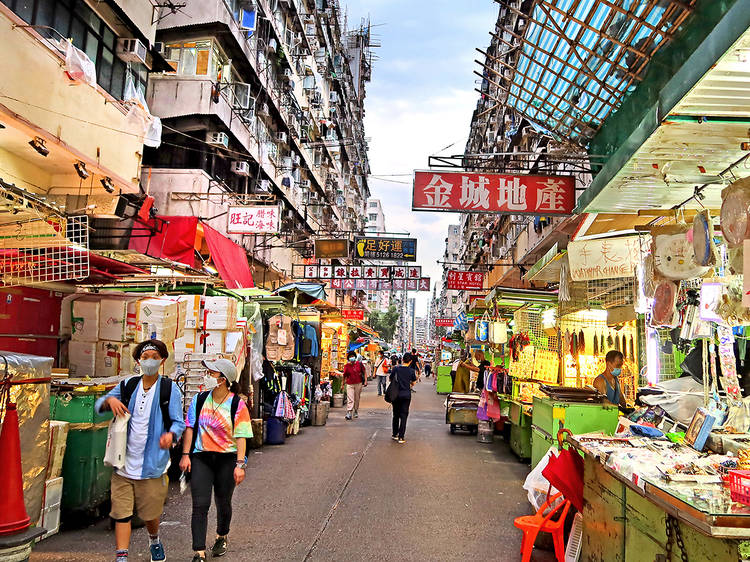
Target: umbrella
565,472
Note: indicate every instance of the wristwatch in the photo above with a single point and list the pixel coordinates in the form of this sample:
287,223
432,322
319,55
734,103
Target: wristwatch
242,464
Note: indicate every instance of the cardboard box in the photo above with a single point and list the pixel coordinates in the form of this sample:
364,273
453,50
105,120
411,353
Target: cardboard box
210,341
113,358
58,440
85,319
185,344
49,519
219,313
117,319
192,311
159,318
234,341
82,358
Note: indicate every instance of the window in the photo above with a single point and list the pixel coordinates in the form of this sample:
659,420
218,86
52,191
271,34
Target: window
373,217
199,58
75,19
373,204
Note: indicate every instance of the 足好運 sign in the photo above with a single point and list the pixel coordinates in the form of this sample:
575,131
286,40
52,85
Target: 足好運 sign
498,193
374,247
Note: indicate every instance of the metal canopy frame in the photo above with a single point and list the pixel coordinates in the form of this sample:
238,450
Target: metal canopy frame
578,59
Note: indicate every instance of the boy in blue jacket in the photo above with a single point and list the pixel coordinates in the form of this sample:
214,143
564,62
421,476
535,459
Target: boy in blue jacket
156,424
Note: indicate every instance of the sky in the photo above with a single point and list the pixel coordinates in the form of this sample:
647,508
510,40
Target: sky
420,101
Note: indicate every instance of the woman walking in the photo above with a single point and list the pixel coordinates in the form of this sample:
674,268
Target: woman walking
404,376
382,369
355,378
218,423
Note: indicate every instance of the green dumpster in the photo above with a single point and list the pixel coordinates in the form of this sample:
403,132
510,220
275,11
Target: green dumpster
85,478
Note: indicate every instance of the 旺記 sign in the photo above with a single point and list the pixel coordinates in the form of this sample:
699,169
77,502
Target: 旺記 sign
374,247
253,219
444,322
464,280
497,193
353,314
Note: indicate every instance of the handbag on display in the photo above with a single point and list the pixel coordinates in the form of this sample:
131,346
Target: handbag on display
498,332
482,328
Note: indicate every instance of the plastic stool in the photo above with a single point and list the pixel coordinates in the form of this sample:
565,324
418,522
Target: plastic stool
531,525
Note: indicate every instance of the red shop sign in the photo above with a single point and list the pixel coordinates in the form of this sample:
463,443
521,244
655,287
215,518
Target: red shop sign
464,280
444,322
353,314
498,193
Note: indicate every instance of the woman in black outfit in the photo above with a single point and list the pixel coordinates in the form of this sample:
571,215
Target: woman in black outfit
405,377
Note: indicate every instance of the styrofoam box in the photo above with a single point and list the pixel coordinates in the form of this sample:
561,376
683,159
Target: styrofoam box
58,440
85,319
233,343
53,491
192,311
183,345
151,309
117,319
113,358
219,313
82,358
210,341
49,520
164,330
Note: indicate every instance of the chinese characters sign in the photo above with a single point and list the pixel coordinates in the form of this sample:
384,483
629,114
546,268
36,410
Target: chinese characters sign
444,322
603,258
497,193
332,248
401,249
464,280
252,219
353,314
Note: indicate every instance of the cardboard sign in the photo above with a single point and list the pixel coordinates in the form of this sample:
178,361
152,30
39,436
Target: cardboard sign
604,258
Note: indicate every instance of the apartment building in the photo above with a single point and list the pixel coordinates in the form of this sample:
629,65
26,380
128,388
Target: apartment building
375,224
263,103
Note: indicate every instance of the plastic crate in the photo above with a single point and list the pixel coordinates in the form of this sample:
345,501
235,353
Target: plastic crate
739,486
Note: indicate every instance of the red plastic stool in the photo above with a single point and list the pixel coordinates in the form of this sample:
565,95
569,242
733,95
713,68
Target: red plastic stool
531,525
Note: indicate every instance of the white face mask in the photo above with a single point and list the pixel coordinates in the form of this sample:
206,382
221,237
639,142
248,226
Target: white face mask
150,367
209,382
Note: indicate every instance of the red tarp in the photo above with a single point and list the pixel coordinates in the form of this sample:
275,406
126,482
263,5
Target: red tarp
174,239
229,258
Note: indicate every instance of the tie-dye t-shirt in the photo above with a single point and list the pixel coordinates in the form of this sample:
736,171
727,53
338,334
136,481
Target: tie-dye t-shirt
215,425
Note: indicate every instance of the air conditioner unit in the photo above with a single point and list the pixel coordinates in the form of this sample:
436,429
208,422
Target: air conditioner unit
218,139
304,183
334,97
241,167
288,74
131,50
282,137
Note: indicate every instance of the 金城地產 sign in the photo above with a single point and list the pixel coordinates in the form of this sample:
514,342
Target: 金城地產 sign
252,219
497,193
444,322
373,247
464,280
353,314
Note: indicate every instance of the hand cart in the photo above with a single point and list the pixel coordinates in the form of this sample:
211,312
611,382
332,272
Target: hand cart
461,412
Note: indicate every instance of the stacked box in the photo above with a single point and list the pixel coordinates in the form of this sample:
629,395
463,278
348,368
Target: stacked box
184,345
210,341
58,439
219,313
159,318
192,311
85,319
117,318
113,358
82,358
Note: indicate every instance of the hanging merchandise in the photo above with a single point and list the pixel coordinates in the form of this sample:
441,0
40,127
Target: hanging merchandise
735,212
673,253
728,362
564,289
581,343
280,344
704,249
617,342
632,348
663,311
596,344
610,340
517,343
483,328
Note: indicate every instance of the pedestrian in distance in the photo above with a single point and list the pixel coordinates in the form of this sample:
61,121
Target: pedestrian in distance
416,366
213,451
155,425
355,378
404,376
382,369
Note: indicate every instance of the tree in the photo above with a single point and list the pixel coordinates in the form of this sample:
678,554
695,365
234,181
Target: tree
384,323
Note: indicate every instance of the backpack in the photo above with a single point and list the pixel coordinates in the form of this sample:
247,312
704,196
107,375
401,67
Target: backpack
127,388
200,400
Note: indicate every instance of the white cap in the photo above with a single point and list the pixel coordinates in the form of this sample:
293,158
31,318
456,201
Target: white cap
223,366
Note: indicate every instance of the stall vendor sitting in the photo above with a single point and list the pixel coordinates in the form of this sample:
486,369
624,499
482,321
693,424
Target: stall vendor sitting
608,382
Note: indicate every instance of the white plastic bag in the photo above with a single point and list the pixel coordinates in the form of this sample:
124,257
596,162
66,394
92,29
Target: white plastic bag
78,65
537,485
140,114
117,442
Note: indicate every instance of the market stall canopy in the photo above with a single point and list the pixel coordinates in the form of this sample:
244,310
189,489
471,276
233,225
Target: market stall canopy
683,127
178,238
547,269
266,299
303,293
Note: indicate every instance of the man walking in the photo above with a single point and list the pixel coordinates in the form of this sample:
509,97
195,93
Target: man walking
154,404
382,369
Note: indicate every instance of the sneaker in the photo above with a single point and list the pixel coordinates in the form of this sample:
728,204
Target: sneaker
219,548
402,441
394,438
157,552
356,414
348,416
198,558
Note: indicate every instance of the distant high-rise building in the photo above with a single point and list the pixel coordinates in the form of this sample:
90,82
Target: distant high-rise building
375,216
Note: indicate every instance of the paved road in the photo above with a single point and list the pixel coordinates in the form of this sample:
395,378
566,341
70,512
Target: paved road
347,492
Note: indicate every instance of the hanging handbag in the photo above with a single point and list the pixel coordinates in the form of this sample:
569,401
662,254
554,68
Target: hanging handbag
483,328
499,332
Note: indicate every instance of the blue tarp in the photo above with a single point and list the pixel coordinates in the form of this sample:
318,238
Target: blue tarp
315,291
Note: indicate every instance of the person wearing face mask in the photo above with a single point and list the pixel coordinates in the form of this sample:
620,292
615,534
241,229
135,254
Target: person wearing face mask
355,379
608,382
155,425
218,425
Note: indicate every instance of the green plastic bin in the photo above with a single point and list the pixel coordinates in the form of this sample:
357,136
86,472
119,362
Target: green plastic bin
86,481
444,384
